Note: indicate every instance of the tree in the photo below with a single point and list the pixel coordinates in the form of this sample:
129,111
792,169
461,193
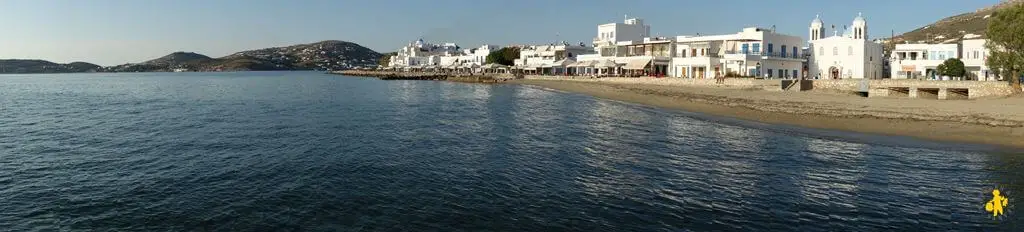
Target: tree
952,67
1006,45
504,56
385,58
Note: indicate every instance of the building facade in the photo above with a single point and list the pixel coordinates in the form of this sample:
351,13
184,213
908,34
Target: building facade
538,55
920,61
418,53
751,52
975,54
624,43
850,55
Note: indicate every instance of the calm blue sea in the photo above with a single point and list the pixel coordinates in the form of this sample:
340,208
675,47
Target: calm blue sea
305,151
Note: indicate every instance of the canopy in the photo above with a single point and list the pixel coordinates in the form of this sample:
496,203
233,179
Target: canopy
584,64
606,64
493,65
637,64
560,63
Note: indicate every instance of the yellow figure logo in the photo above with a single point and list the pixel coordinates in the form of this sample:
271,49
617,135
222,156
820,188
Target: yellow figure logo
996,204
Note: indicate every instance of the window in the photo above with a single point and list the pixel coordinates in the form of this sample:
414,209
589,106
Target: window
849,50
770,48
835,51
757,47
794,52
746,48
975,54
871,58
783,50
782,73
769,72
796,73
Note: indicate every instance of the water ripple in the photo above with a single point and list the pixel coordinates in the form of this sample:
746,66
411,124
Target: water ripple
306,151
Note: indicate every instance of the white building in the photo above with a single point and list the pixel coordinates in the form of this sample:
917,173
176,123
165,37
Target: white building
535,56
648,56
630,45
476,56
919,61
974,56
631,29
750,52
419,53
846,56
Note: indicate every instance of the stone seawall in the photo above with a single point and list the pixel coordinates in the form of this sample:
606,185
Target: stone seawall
891,87
435,76
740,83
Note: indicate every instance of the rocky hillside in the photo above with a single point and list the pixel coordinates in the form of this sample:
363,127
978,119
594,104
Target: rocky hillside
955,28
42,66
178,58
324,55
170,62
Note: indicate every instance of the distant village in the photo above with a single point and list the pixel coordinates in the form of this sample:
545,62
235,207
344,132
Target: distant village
627,49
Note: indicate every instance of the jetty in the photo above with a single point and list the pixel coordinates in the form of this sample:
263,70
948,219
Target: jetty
425,76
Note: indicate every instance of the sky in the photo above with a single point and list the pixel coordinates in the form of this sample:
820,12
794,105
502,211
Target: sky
111,32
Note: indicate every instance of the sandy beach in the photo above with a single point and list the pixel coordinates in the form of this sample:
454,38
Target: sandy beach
995,121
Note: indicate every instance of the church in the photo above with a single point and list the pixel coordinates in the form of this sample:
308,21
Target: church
849,55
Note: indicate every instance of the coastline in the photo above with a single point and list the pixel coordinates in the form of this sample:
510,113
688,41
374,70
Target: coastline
997,122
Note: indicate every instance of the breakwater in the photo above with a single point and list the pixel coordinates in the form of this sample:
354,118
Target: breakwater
426,76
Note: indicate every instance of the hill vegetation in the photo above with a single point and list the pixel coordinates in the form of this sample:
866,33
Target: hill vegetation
955,28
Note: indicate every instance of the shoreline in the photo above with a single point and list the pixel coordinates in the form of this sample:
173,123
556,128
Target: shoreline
819,110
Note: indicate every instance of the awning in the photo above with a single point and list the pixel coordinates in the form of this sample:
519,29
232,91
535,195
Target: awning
605,64
583,64
637,64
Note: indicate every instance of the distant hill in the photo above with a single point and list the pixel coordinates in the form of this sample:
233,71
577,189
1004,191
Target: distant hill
955,28
178,58
324,55
42,66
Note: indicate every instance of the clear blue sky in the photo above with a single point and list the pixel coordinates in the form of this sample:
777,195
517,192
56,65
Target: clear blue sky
109,32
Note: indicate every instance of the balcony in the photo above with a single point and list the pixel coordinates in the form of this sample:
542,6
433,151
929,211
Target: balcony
781,55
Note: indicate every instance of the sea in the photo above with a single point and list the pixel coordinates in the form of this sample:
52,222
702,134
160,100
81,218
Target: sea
308,151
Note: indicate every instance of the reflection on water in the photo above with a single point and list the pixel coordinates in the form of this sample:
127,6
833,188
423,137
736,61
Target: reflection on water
306,151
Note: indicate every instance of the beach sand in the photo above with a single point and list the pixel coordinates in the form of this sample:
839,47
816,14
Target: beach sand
997,121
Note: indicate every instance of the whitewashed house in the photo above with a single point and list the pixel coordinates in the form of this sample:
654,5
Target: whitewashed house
974,56
420,53
543,58
920,61
629,46
750,52
850,55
